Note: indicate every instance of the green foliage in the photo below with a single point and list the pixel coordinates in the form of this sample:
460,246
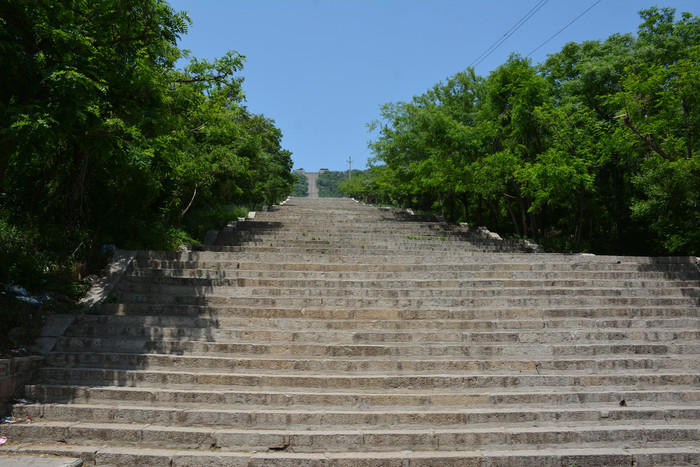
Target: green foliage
596,149
301,185
211,217
328,183
21,254
104,140
358,186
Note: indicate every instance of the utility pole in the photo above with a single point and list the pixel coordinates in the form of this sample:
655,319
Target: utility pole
349,161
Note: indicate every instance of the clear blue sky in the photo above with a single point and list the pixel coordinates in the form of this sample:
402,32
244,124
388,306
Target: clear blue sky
322,68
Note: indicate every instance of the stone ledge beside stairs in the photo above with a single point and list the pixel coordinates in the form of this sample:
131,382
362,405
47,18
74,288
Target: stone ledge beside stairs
14,373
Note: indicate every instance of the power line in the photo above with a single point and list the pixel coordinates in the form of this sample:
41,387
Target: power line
557,33
508,33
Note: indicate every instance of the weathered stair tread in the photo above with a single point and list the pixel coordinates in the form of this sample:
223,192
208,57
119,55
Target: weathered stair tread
474,381
460,350
182,395
115,324
561,456
366,438
305,418
244,362
343,336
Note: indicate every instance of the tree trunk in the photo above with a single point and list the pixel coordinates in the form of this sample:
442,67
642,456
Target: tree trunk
442,206
492,214
523,215
579,226
194,193
512,217
479,213
619,201
74,202
465,202
535,226
534,220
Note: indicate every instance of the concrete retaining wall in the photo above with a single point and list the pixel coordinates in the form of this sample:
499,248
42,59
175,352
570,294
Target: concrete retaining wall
14,373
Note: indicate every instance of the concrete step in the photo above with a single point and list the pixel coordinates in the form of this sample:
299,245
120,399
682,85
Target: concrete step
575,261
309,418
272,271
175,293
503,456
365,439
253,334
164,283
418,381
112,324
483,265
366,365
425,349
498,312
338,398
420,303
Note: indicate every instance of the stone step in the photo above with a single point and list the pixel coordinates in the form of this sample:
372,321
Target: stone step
394,349
290,226
144,291
253,334
501,456
242,362
112,324
335,250
574,260
287,310
407,263
231,397
304,271
465,271
669,287
421,381
437,241
435,248
309,419
364,439
371,233
387,301
439,245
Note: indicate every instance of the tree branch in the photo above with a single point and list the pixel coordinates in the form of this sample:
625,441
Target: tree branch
220,77
190,203
195,130
646,138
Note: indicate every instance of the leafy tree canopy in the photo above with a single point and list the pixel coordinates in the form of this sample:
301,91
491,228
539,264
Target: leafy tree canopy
595,149
104,139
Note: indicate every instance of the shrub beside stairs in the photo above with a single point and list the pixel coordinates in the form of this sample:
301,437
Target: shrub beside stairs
326,332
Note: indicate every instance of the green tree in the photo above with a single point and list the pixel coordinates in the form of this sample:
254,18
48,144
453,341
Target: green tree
597,148
301,185
514,91
659,107
328,183
103,139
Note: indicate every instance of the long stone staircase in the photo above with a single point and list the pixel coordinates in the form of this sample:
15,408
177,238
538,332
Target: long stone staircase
331,333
